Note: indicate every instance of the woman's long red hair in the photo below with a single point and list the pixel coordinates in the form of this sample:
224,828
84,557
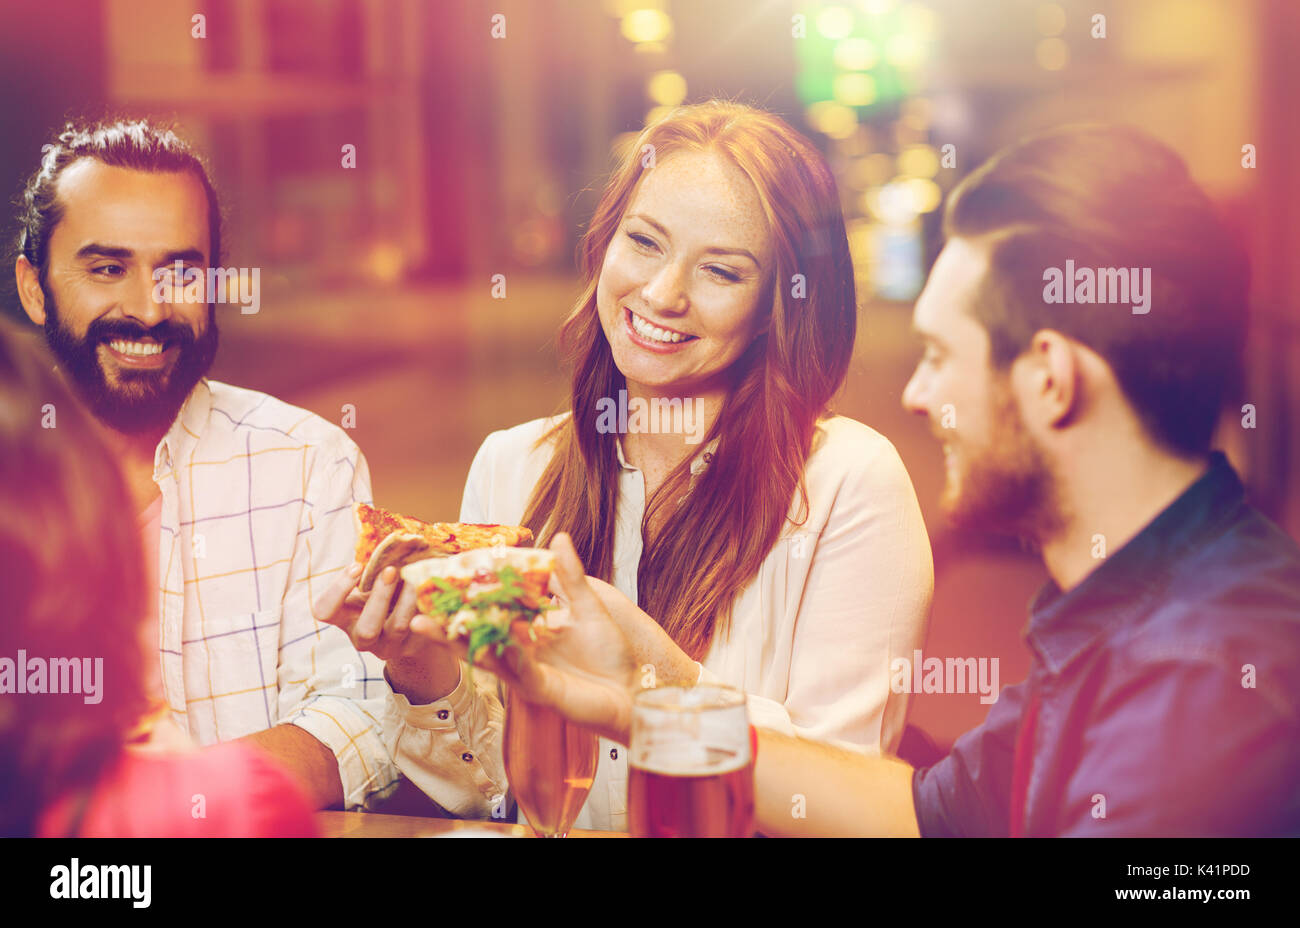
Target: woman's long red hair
74,586
718,527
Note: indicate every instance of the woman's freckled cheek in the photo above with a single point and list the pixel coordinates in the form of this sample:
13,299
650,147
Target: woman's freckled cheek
621,280
609,290
627,273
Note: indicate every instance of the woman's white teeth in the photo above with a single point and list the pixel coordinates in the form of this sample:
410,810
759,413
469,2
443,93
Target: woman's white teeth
646,330
138,348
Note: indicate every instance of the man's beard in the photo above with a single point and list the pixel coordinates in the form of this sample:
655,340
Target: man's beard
1008,487
142,402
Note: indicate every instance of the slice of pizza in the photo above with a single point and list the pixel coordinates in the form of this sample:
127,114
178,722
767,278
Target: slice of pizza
485,597
387,538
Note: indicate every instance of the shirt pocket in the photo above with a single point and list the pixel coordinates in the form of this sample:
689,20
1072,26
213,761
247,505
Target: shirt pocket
242,656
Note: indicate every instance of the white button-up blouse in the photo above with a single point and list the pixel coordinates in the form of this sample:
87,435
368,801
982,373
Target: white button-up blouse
812,636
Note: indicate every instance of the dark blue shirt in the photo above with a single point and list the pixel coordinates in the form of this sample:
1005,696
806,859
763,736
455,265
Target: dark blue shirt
1167,686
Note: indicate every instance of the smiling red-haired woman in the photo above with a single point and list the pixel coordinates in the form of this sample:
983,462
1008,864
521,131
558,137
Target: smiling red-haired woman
747,535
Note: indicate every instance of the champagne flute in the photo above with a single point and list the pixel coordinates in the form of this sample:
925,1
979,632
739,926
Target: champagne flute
550,765
692,769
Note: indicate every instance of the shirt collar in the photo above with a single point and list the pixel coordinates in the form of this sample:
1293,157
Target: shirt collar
1061,625
701,461
185,428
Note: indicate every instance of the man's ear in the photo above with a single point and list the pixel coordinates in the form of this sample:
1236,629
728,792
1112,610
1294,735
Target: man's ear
29,290
1049,379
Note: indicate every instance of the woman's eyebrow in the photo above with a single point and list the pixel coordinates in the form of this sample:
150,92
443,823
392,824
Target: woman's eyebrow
650,222
743,252
715,250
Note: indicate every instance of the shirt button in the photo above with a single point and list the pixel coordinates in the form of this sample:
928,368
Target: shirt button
442,714
467,757
613,753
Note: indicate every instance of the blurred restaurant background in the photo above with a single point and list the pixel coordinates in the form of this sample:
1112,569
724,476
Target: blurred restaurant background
479,155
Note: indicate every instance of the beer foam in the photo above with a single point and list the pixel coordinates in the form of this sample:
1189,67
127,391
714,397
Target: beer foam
688,759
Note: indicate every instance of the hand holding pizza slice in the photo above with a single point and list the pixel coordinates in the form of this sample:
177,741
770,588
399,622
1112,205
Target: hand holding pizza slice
386,539
575,658
486,598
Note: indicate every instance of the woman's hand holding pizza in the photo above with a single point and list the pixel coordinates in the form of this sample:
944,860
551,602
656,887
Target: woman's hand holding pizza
601,649
584,666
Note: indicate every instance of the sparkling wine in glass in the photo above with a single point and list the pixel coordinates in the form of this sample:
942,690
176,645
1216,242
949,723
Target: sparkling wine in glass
550,763
691,768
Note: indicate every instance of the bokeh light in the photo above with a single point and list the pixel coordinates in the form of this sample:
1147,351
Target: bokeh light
918,161
667,88
835,22
855,54
1052,54
1050,19
646,26
833,119
855,89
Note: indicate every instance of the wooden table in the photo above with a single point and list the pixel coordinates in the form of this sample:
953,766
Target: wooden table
378,825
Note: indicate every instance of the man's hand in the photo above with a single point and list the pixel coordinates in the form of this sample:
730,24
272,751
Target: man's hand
380,623
584,667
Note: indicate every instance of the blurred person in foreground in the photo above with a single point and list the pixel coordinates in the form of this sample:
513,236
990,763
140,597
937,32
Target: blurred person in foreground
1164,694
242,501
71,669
747,535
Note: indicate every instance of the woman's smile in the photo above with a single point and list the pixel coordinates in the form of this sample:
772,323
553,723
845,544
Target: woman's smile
652,337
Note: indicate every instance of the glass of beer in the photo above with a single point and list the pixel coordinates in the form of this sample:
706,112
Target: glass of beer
692,772
550,764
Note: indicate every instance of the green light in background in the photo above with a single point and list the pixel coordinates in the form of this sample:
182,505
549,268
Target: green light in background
862,54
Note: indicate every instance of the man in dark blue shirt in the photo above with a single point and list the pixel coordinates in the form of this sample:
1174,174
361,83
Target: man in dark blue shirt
1164,693
1166,689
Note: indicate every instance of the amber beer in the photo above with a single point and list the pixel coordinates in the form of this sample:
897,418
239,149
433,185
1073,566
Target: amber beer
692,773
550,765
693,804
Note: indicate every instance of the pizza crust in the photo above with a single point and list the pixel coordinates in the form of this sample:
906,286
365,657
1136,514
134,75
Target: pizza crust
397,540
397,550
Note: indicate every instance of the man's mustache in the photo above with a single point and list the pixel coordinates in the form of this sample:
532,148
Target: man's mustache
169,331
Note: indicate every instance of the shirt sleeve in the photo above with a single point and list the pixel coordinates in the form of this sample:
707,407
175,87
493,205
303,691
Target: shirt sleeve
1184,747
968,793
452,749
866,600
325,686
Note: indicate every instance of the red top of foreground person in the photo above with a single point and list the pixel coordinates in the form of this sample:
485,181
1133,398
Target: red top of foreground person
229,790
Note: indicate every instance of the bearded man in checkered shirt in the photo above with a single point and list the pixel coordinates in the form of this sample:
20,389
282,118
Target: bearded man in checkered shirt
243,501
